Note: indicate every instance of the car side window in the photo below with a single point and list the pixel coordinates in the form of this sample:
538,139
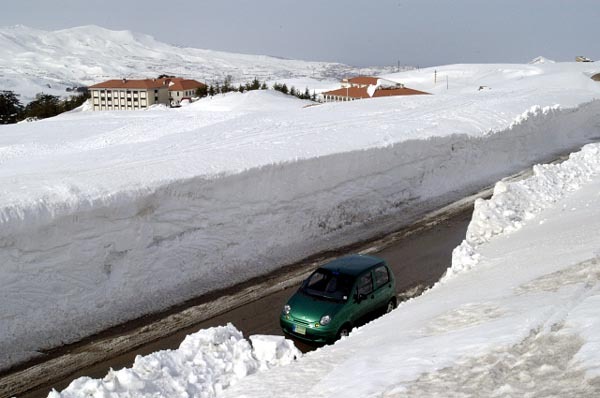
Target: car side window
365,284
381,276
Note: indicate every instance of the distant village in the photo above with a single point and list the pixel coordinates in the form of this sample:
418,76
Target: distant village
172,91
127,94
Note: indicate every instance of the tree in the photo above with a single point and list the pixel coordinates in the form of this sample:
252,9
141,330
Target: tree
306,94
254,85
44,105
74,101
10,107
227,87
202,91
264,86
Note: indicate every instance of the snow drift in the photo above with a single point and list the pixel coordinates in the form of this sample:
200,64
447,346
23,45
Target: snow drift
109,216
523,323
205,363
527,198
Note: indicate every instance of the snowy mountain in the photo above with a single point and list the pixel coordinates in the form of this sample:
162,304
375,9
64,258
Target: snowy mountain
33,61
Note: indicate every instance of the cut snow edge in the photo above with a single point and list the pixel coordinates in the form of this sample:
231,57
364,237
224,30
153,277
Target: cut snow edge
514,204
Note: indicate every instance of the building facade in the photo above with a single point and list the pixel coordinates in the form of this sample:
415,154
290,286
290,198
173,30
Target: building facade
128,94
182,89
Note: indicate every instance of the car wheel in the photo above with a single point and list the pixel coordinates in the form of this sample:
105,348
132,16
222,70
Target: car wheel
390,306
344,331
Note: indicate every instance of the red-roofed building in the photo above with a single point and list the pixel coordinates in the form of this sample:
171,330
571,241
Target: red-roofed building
181,89
128,94
362,87
360,81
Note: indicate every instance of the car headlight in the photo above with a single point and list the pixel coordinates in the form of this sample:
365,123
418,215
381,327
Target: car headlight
325,319
287,309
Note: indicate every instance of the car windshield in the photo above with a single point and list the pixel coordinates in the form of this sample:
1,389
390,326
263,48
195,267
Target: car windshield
330,285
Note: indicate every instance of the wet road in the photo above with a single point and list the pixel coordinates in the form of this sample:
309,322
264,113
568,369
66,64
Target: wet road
418,255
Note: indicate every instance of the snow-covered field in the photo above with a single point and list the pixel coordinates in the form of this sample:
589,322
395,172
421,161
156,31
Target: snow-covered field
521,319
105,216
34,61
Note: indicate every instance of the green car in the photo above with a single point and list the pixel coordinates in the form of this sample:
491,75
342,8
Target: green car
337,297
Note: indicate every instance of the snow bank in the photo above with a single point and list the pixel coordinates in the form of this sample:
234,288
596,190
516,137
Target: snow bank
205,363
526,322
514,204
109,216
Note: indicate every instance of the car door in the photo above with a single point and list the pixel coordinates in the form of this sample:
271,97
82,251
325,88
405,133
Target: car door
365,300
384,288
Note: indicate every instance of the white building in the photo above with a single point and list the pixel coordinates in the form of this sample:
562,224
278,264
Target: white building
128,94
181,89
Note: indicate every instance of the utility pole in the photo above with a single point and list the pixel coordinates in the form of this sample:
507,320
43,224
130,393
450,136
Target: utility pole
446,82
398,65
435,76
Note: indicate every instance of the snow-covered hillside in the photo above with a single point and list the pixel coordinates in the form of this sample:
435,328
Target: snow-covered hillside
105,216
33,61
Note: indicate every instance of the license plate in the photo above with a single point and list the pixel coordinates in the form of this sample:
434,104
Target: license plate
299,329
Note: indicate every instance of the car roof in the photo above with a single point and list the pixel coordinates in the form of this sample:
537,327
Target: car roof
354,264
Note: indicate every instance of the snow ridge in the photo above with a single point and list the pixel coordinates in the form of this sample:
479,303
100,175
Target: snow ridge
517,203
205,363
175,233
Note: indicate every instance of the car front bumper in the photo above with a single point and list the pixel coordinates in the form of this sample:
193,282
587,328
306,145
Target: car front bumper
321,334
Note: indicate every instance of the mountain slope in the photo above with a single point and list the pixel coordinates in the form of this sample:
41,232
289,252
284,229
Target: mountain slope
34,60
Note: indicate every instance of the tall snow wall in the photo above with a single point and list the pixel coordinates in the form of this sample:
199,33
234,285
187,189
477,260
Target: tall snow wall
86,267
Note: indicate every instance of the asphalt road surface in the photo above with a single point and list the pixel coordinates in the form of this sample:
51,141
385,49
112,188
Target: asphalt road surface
418,255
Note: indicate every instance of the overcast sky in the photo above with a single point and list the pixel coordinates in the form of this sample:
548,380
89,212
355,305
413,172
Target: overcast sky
356,32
